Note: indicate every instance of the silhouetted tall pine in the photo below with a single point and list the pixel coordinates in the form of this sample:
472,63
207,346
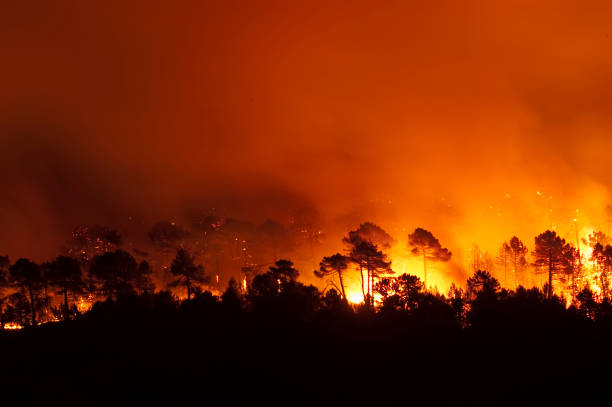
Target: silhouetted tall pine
189,274
66,276
27,278
334,265
550,253
422,243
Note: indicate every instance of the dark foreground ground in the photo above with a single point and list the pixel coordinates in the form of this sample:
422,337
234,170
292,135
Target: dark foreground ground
118,356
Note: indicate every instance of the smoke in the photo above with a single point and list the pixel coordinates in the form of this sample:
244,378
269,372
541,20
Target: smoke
445,116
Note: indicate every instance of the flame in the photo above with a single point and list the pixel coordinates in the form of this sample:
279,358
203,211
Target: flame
354,297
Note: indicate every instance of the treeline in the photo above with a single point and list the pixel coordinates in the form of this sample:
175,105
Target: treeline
29,292
116,278
556,265
69,285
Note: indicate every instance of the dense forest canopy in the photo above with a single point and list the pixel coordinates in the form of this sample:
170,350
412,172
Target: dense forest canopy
366,271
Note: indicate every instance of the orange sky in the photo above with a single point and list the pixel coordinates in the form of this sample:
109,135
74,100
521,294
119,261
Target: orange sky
443,114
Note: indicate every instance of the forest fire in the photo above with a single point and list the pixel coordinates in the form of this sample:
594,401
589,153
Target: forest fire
305,190
367,261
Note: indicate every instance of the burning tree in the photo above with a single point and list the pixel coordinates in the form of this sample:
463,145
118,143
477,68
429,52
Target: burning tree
602,257
332,265
367,257
66,276
400,293
551,252
363,245
423,243
27,278
518,251
503,259
573,268
189,275
596,237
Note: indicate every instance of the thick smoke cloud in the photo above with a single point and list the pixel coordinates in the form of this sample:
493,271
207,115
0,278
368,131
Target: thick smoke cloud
445,115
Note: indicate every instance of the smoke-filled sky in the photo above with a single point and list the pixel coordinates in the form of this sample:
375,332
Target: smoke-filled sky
449,115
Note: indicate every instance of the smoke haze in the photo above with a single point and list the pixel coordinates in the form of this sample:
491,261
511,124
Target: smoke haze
461,117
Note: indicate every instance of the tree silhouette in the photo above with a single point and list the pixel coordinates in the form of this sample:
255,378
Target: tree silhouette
264,286
114,272
231,299
402,292
551,252
369,232
18,309
4,283
602,256
277,294
504,259
482,282
422,243
142,279
483,293
518,251
331,265
363,246
586,303
572,267
167,237
333,302
66,276
189,275
26,277
458,301
367,256
284,272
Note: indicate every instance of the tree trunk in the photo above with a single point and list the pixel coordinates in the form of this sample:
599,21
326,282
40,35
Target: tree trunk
550,273
369,269
604,283
424,268
66,317
362,282
32,307
505,268
342,285
514,271
573,285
